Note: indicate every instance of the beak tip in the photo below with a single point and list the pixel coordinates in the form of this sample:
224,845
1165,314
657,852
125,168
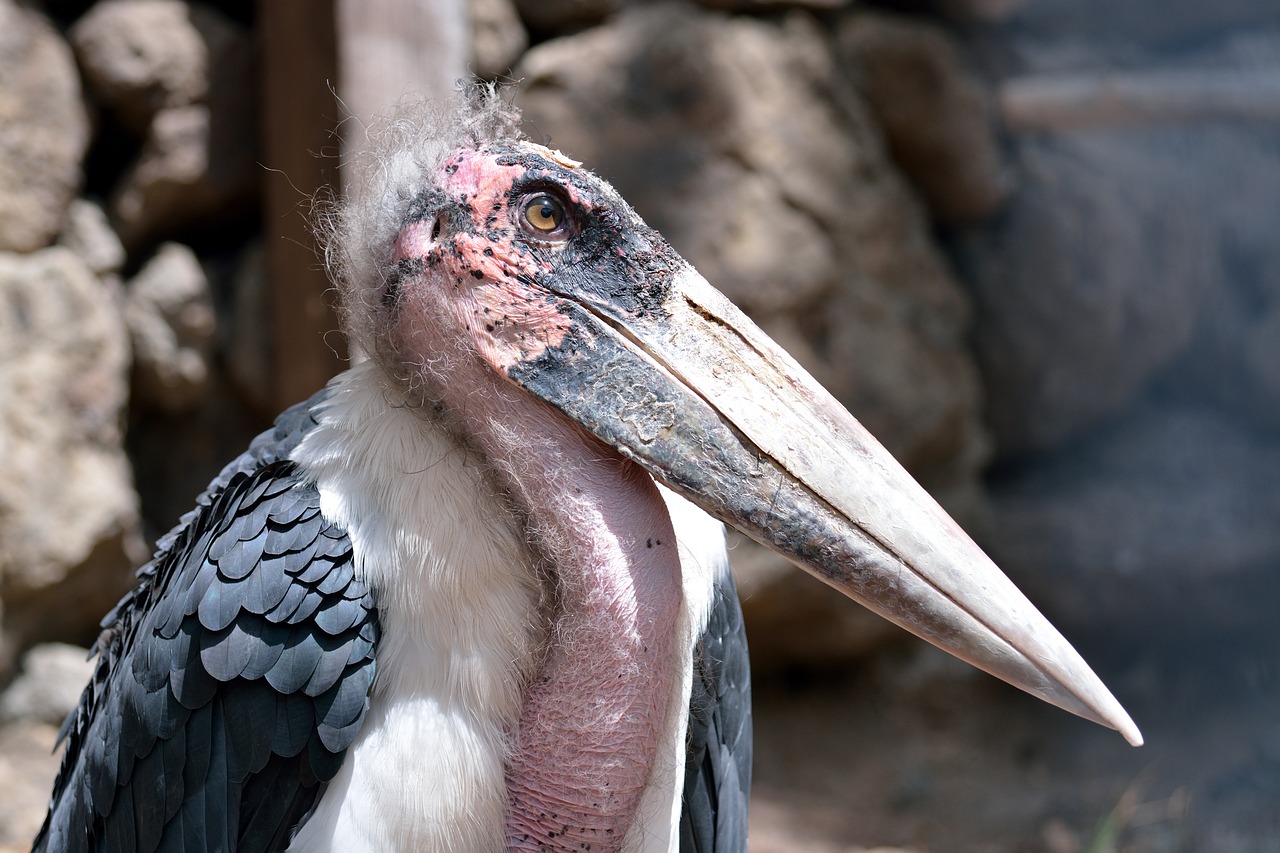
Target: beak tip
1130,732
1111,714
1105,709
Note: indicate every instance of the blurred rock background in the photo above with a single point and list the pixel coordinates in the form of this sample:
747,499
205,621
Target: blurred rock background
1031,244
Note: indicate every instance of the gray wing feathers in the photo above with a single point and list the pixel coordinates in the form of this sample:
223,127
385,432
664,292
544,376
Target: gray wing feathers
230,681
718,764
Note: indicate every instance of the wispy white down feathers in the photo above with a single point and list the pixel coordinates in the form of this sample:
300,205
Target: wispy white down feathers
405,151
457,600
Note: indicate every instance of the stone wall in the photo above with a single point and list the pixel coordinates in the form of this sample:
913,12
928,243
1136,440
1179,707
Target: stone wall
1127,304
1031,244
758,143
127,211
998,237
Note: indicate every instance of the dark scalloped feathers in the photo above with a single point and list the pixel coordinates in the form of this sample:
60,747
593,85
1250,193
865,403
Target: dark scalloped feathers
231,681
717,782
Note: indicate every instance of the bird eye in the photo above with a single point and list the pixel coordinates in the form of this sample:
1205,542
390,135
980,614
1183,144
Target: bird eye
545,215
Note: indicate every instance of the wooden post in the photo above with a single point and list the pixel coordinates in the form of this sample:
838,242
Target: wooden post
299,114
390,49
1120,98
374,53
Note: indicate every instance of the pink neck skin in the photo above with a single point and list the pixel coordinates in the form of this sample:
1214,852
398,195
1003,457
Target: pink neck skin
595,709
596,706
592,718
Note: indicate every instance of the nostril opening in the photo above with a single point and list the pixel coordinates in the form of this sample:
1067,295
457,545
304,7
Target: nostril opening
435,230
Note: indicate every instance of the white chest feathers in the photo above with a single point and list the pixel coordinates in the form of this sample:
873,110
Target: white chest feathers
458,603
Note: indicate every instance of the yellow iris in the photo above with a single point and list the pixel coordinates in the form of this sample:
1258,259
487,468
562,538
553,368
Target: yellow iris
544,213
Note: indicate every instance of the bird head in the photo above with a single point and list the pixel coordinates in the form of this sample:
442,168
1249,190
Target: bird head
468,252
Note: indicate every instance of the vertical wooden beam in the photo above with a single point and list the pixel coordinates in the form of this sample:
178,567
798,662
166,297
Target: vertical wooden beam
299,69
374,52
389,49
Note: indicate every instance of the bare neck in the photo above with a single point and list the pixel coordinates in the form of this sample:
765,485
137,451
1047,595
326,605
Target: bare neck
593,714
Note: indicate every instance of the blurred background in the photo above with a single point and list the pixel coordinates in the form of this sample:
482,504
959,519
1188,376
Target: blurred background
1034,245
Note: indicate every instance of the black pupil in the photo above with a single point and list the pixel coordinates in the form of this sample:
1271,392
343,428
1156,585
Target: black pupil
548,212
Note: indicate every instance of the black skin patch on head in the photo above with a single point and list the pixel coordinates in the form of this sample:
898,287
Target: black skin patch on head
447,212
612,263
393,287
424,206
613,260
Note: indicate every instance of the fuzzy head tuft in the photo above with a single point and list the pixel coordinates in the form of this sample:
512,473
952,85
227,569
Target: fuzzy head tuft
405,152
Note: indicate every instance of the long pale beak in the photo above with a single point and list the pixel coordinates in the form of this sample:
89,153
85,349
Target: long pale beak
693,391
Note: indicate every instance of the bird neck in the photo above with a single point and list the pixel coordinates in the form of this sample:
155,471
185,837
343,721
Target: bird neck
594,711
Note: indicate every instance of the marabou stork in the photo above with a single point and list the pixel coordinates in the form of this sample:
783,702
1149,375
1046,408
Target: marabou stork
474,595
